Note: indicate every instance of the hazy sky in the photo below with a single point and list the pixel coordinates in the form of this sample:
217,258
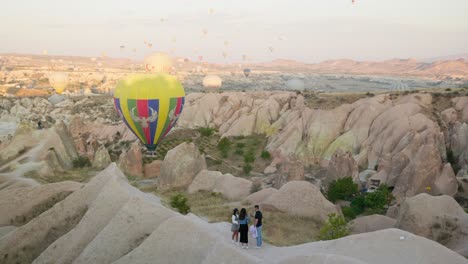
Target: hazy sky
311,30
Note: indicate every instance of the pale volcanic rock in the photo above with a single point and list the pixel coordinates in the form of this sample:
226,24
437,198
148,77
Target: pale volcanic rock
180,166
446,183
439,218
300,198
260,196
131,161
371,223
102,158
341,165
153,169
231,187
21,204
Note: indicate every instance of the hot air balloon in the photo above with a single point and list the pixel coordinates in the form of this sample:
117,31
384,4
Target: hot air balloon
205,31
212,82
122,48
295,84
271,49
45,52
247,72
58,81
244,57
158,62
150,105
211,11
225,54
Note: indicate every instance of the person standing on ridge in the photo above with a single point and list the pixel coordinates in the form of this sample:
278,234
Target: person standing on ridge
258,225
244,228
235,225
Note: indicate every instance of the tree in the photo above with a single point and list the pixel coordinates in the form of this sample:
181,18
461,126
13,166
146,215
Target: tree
179,202
334,228
342,189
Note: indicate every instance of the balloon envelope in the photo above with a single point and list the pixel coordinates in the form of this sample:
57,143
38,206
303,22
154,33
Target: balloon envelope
247,72
158,62
150,105
212,82
58,81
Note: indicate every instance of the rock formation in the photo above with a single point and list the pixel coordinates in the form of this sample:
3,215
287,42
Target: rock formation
180,166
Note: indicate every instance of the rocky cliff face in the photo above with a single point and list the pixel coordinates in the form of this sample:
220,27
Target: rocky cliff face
402,138
109,221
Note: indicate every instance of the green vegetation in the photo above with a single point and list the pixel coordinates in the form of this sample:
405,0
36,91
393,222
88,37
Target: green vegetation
342,189
334,228
179,202
249,157
239,152
224,146
81,162
206,131
240,145
369,203
247,168
265,155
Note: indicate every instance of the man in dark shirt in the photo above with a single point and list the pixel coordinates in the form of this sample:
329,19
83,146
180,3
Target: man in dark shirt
258,225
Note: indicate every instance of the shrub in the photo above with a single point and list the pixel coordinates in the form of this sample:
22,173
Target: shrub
375,202
342,189
247,168
179,202
224,145
369,94
265,155
240,145
206,131
239,152
249,157
349,213
81,162
334,228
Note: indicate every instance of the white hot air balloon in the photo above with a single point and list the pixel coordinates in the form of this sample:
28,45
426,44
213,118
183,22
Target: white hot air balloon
212,82
295,84
58,81
158,62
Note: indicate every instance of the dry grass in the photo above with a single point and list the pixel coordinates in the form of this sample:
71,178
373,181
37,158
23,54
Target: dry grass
77,175
279,228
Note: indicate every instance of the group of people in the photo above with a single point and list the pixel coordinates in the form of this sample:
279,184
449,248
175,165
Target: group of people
240,226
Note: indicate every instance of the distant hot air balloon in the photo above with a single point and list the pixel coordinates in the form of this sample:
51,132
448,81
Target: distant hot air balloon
211,11
271,49
122,47
150,45
45,52
58,81
212,82
244,57
150,105
158,62
295,84
247,72
225,54
205,31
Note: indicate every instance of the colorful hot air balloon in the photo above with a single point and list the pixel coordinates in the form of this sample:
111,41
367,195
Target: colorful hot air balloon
247,72
58,81
149,104
158,62
212,82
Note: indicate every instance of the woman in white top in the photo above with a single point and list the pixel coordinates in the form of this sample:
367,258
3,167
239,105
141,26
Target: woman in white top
235,225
